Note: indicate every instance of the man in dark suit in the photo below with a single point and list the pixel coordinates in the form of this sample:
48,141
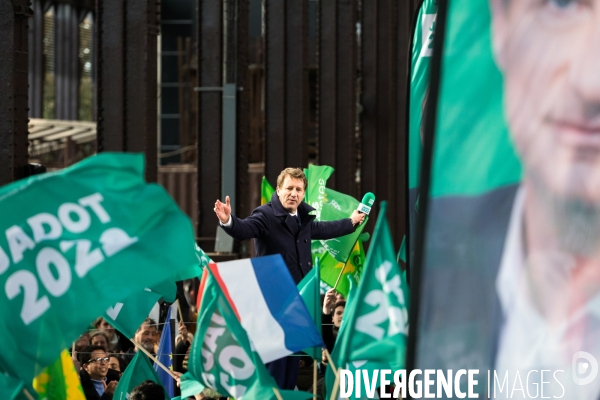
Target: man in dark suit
284,226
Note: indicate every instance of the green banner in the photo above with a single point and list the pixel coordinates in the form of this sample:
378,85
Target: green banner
128,314
310,291
139,370
419,84
13,389
91,235
266,191
377,324
221,357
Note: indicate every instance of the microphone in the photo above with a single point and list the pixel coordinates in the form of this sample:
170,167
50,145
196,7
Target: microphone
366,203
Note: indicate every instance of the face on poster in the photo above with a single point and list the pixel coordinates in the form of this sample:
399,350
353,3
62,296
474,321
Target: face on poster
513,241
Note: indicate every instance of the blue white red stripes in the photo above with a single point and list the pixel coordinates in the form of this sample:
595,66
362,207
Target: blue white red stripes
267,303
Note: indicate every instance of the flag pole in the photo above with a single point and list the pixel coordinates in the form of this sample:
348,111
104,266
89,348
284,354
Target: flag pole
153,358
27,394
180,313
276,391
340,275
330,361
315,379
336,386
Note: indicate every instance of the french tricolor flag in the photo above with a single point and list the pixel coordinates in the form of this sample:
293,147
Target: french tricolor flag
267,303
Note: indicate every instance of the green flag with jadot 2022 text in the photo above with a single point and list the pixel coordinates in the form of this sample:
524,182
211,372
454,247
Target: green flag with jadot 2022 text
75,242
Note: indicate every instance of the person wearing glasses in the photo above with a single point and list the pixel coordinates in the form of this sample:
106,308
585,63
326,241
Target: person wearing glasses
97,380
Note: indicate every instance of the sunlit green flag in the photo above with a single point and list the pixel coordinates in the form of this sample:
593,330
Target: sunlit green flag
59,255
266,191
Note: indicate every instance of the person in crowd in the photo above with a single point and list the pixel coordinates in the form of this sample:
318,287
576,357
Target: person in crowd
97,380
99,338
116,341
82,342
144,336
285,226
117,363
147,390
331,298
183,343
336,318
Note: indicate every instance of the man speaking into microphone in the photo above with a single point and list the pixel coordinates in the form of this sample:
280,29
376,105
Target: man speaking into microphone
284,226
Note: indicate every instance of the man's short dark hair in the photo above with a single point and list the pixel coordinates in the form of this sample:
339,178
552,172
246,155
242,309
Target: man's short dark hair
86,355
339,304
147,390
120,360
148,321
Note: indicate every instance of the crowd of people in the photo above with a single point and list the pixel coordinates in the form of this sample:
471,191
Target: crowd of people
102,353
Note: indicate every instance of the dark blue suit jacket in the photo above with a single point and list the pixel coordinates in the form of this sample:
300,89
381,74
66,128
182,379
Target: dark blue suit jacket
275,231
460,316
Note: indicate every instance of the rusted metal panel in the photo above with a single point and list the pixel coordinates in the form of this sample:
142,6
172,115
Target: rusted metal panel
243,110
127,87
384,60
345,148
180,182
110,74
368,117
210,60
296,82
67,62
405,12
386,104
36,61
275,87
327,82
13,85
140,81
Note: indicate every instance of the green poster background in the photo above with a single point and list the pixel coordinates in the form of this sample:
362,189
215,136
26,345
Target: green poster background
473,153
419,81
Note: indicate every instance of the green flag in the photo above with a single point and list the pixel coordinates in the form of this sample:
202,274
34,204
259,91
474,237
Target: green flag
266,191
139,370
14,389
315,191
190,386
375,326
419,84
368,366
59,380
332,268
221,357
310,291
128,314
59,256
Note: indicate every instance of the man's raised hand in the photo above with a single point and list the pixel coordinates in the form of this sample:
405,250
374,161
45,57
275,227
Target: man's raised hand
223,210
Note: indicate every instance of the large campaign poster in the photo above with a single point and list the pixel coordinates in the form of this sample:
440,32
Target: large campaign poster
510,279
422,51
